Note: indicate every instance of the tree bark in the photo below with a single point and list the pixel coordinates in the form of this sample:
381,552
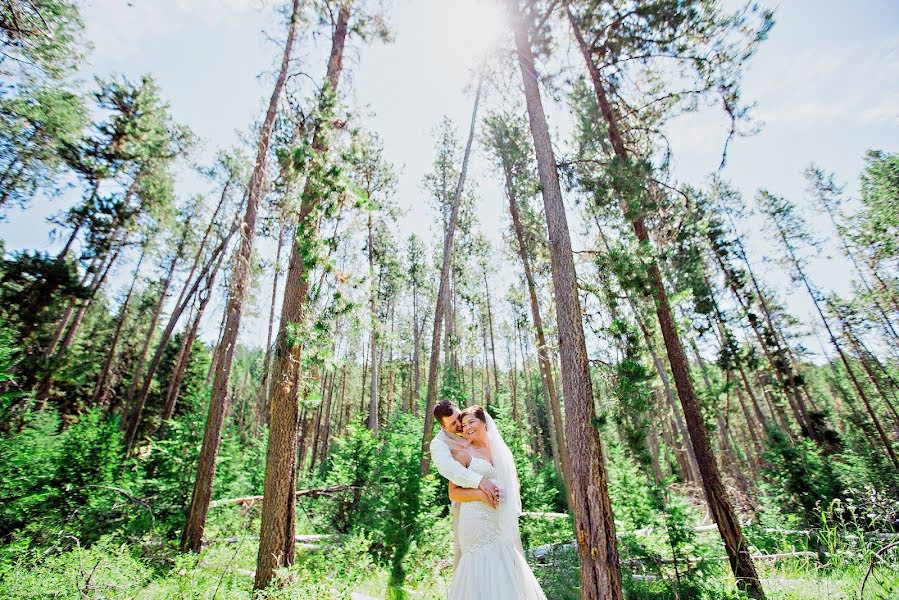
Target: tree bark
546,369
192,537
277,532
594,524
731,533
440,309
100,390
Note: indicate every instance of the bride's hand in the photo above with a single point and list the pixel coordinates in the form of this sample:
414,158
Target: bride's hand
489,499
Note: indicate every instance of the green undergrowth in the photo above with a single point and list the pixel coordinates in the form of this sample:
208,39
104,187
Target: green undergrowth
339,566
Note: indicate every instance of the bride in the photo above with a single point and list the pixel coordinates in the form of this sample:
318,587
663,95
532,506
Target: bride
492,566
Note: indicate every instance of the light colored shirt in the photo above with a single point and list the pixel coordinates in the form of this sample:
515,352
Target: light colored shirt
449,467
459,474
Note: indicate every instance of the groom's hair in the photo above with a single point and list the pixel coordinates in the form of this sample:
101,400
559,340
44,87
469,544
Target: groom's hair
444,408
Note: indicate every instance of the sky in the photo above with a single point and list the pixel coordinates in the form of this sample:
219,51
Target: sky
826,84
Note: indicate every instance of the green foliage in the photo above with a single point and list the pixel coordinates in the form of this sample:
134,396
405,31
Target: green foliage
876,227
39,38
393,503
67,479
804,479
541,485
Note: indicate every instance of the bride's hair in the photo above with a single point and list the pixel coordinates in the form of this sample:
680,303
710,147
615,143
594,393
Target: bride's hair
478,411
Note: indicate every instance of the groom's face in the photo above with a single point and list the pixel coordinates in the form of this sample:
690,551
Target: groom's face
453,423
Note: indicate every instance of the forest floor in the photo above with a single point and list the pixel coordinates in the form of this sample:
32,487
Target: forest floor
343,568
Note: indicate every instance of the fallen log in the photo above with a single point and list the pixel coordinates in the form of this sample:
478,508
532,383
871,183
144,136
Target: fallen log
317,493
544,515
311,540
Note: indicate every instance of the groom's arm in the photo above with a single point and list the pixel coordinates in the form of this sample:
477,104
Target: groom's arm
452,469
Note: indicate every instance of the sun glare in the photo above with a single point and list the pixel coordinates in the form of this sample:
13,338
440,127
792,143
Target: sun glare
475,26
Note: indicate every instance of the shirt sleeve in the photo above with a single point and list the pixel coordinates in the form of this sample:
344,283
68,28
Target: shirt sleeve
452,469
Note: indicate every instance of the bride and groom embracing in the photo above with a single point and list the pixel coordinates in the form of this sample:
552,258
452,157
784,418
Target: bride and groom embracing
486,503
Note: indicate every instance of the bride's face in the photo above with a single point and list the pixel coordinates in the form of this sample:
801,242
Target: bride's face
472,427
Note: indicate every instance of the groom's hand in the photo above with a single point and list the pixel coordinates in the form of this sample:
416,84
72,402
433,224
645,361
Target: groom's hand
491,489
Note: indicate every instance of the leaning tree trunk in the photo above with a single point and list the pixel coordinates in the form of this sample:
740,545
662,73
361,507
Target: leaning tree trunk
440,308
192,537
187,344
594,524
46,384
100,390
276,538
189,293
863,396
735,543
546,368
263,392
372,422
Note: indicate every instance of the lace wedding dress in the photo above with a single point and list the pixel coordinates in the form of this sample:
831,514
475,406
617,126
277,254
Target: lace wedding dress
491,568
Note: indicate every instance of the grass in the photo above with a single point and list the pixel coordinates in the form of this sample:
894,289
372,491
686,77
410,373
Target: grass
144,570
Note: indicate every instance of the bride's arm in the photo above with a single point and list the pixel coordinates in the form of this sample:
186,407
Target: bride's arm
461,494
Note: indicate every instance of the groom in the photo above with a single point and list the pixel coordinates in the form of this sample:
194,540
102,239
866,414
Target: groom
448,439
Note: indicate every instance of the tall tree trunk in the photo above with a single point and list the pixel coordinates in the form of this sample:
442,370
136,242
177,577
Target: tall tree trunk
692,472
512,351
262,395
46,384
192,537
140,400
276,542
735,543
563,462
326,434
440,309
187,344
814,295
594,524
373,422
416,354
101,389
891,335
492,338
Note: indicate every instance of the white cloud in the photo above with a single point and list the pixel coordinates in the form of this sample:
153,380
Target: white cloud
118,29
856,83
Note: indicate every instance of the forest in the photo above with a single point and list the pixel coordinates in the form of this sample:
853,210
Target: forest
229,394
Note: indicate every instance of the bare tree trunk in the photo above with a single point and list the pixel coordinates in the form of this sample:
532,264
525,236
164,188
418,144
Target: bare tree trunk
594,524
262,395
90,275
100,391
440,308
373,422
137,406
731,533
563,460
326,434
192,537
887,444
276,543
692,472
416,354
512,351
46,384
187,344
864,358
492,338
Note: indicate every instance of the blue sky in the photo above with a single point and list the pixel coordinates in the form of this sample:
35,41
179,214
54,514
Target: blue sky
826,83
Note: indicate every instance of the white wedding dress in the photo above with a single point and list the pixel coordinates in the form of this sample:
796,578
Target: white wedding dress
492,567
